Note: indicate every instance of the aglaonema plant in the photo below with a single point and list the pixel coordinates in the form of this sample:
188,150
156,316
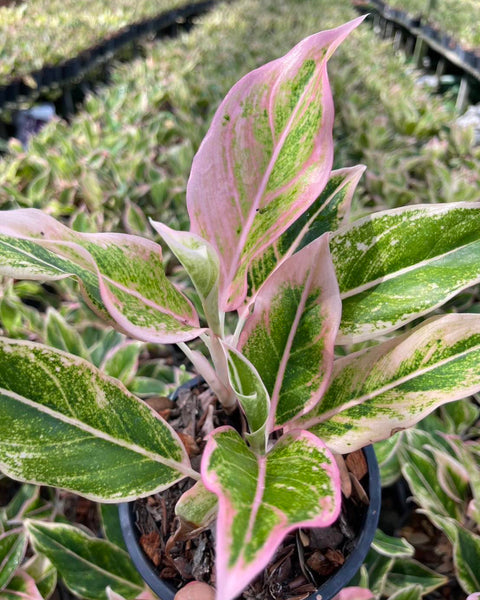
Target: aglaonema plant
269,241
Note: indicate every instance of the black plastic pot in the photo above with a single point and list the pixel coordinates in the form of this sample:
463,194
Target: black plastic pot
326,591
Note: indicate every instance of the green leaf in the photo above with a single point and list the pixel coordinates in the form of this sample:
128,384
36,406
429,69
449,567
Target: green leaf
197,506
325,214
122,362
262,498
43,573
389,387
63,423
411,592
13,545
252,396
466,550
201,263
378,567
21,587
391,546
62,336
110,522
122,276
386,452
86,564
407,572
396,265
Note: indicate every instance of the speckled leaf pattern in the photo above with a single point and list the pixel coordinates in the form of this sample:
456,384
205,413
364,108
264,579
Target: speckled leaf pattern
265,159
399,264
252,396
327,213
393,385
197,506
262,498
290,335
65,424
122,276
86,564
13,545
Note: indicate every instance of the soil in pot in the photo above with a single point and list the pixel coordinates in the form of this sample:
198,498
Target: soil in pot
305,560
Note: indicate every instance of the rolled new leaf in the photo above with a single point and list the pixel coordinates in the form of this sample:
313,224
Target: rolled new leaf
121,276
327,213
392,386
202,265
265,159
262,498
290,335
86,564
252,396
396,265
64,423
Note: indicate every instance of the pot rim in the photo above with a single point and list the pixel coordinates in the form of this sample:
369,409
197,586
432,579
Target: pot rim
326,591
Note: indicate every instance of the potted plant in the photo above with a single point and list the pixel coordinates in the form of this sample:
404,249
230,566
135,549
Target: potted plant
280,279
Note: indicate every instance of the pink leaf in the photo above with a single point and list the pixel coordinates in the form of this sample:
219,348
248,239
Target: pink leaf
265,159
290,336
264,497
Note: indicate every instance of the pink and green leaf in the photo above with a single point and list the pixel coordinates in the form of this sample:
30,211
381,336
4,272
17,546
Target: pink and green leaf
265,159
327,213
21,587
290,335
121,276
262,498
392,386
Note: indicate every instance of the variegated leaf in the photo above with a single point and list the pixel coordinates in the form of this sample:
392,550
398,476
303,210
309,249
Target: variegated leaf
392,386
327,213
13,545
21,587
406,572
43,573
252,396
121,276
63,423
391,546
86,564
197,506
202,265
265,158
262,498
396,265
290,335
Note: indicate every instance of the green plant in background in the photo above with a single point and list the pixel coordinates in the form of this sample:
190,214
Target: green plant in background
39,33
265,166
129,150
442,466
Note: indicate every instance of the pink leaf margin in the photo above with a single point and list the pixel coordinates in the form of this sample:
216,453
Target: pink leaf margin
211,183
230,582
34,225
310,267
